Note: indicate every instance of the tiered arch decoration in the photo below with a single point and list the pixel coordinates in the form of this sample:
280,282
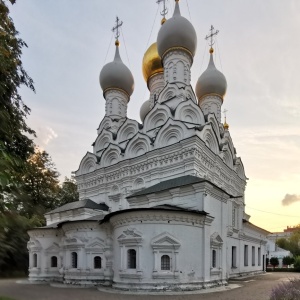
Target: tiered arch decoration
171,133
167,93
228,141
188,111
88,164
210,139
137,146
156,117
104,124
215,126
103,140
110,156
227,158
190,95
239,168
127,130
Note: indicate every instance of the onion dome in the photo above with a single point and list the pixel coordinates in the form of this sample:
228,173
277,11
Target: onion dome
151,62
145,108
226,126
177,32
115,75
212,81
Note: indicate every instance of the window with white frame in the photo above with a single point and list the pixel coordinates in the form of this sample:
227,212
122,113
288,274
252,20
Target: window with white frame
130,242
97,262
246,254
233,257
35,260
165,252
259,256
165,263
253,256
74,260
131,259
214,259
53,261
216,243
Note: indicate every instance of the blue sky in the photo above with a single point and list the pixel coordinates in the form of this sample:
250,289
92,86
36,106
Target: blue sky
257,50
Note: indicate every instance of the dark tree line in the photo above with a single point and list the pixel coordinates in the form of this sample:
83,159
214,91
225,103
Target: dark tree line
29,184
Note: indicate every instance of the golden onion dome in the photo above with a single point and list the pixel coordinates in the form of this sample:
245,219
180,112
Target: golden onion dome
152,62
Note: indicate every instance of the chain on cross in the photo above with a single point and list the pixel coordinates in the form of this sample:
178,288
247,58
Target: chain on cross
211,36
116,28
165,10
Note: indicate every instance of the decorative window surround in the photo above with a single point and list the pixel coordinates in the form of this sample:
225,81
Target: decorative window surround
130,239
216,244
165,244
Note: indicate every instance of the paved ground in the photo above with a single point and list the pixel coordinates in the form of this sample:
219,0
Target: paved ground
252,288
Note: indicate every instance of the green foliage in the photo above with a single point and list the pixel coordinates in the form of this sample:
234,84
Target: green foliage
68,192
13,241
292,243
15,143
274,261
297,263
29,184
287,260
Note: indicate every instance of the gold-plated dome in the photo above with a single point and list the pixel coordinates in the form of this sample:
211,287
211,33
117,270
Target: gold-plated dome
152,62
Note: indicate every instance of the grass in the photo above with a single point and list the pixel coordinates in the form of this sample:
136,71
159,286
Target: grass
6,298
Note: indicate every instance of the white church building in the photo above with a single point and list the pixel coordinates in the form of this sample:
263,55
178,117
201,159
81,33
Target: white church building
161,202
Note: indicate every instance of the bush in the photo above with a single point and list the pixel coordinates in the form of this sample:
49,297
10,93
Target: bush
274,262
287,260
287,291
297,263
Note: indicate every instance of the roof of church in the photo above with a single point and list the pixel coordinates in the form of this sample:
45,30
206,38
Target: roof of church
166,207
87,203
172,183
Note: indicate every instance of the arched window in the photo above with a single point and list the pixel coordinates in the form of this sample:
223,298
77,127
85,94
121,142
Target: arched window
214,259
131,259
97,262
35,260
74,259
53,262
165,262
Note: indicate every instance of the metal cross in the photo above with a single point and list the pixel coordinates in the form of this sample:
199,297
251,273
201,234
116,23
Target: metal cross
224,112
211,35
116,28
165,10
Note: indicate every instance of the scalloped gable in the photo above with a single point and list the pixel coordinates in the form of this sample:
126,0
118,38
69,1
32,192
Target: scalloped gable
88,162
188,111
138,145
157,116
127,130
171,132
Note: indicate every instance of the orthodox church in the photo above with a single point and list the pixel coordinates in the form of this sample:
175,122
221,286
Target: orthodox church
161,202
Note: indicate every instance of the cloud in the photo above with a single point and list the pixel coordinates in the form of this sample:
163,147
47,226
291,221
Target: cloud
49,135
290,199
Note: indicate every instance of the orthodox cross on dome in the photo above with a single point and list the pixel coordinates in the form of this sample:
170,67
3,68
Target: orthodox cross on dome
116,28
211,36
164,11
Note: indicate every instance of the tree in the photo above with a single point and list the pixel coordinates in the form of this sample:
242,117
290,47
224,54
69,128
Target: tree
15,143
287,260
297,263
68,192
274,262
41,185
292,243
